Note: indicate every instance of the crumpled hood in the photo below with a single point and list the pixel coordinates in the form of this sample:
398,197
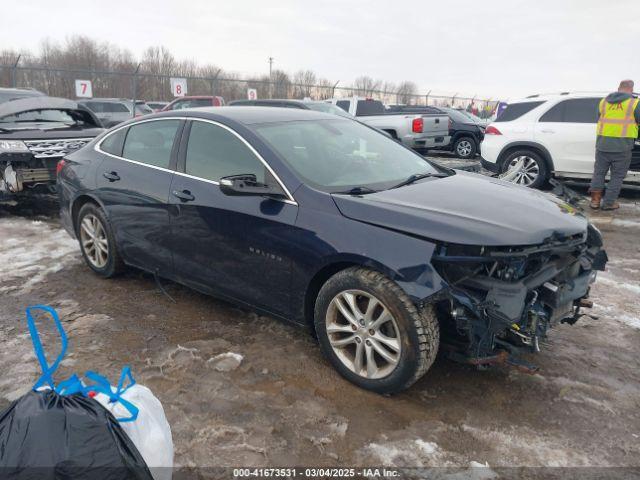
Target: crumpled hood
468,209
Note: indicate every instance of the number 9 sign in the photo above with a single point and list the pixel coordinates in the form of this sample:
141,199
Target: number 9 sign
179,87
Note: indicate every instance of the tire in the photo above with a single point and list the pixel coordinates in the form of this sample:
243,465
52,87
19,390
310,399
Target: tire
534,164
465,147
106,264
415,331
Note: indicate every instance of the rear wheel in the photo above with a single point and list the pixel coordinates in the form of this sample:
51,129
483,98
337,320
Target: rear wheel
526,168
465,147
97,241
372,333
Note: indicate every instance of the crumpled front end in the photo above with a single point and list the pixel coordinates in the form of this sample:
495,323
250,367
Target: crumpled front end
502,300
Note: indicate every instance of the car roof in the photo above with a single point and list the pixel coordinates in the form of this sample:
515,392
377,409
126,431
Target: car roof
543,97
269,100
249,115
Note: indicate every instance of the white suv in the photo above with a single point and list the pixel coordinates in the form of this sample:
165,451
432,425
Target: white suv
547,135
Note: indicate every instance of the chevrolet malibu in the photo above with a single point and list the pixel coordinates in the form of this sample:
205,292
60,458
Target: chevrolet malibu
321,220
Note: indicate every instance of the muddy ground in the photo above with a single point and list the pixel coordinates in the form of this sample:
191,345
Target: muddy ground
284,405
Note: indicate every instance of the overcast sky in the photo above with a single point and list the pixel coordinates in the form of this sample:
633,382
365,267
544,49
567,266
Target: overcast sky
492,48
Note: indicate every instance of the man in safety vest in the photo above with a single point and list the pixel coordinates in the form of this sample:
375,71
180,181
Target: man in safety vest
619,116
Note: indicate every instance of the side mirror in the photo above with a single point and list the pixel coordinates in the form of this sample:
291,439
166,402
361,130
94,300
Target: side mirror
247,185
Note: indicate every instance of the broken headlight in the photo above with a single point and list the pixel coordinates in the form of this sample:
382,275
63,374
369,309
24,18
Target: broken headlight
13,146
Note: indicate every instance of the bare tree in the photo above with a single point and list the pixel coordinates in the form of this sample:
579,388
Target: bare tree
281,84
406,91
304,82
366,86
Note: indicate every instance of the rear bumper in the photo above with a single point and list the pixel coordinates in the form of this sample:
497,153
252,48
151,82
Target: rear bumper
428,142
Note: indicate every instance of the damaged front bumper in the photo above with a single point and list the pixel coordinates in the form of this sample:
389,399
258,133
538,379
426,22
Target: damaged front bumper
501,301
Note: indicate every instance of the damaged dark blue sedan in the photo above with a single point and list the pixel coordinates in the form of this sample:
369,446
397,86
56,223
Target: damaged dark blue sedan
321,220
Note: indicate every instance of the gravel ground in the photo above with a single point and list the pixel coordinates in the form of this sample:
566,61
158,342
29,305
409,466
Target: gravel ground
279,403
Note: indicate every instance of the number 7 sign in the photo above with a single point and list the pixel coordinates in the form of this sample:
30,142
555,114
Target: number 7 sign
84,89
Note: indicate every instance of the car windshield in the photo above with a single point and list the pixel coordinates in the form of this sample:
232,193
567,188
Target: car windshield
340,155
38,116
328,108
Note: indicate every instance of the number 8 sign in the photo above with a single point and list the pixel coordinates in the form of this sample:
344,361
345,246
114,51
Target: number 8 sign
84,89
179,87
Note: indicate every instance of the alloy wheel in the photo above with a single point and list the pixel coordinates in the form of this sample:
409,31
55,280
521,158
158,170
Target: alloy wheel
464,148
93,239
363,334
522,170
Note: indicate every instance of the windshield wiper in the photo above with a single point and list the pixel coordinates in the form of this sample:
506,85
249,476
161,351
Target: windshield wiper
419,176
358,191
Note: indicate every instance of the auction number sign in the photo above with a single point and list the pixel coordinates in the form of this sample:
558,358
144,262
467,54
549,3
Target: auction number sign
252,93
179,87
84,89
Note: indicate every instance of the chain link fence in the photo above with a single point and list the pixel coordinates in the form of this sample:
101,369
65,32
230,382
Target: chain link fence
59,82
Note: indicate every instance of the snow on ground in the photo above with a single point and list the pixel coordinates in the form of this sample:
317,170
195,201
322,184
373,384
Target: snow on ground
31,250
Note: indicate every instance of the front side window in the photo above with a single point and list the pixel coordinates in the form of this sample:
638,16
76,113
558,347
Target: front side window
336,155
214,152
343,104
516,110
151,142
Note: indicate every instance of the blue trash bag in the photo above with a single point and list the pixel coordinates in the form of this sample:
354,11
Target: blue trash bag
57,431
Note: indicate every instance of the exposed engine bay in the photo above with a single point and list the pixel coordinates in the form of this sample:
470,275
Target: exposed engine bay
502,300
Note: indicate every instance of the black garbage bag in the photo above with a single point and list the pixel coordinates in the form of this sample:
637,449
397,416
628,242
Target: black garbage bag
44,435
57,431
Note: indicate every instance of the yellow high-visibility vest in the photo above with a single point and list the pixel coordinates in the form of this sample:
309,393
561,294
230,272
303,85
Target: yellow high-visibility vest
617,119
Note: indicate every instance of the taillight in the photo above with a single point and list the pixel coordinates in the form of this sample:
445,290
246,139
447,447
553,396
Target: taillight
450,123
491,130
417,125
59,165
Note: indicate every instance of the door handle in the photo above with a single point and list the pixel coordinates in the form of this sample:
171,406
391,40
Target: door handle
548,131
184,195
111,176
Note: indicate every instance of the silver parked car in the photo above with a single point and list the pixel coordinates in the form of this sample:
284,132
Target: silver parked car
112,111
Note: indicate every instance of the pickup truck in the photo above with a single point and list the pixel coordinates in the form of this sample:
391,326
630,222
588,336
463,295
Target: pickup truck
419,131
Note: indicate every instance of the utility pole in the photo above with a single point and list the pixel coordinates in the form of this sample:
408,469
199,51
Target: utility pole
135,90
14,72
270,77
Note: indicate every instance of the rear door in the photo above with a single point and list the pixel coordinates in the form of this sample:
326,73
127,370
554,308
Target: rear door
568,131
133,183
229,245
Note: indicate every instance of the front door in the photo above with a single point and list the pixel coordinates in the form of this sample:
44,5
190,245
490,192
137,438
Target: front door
133,184
229,245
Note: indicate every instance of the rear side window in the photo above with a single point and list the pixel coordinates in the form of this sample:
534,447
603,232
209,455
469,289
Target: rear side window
516,110
370,107
151,142
95,107
574,110
343,104
114,142
214,152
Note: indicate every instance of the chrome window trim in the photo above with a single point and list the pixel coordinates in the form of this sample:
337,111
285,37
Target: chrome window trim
97,148
290,200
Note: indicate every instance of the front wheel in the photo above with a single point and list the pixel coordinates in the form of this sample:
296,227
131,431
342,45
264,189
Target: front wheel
465,147
526,168
372,333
